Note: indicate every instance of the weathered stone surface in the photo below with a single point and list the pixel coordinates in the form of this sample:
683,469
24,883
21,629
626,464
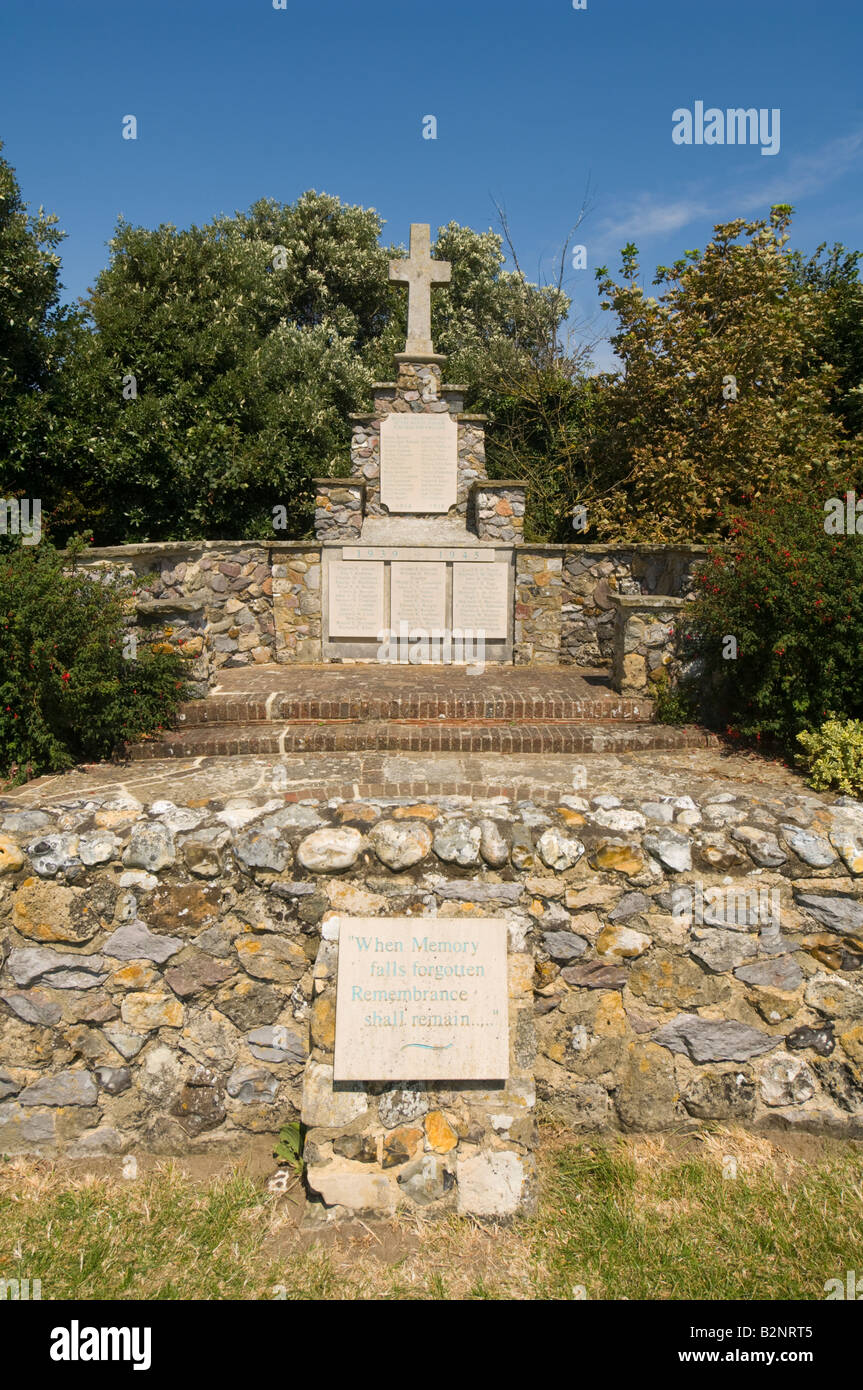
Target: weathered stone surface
114,1080
99,847
63,1088
647,1091
440,1135
722,950
23,1130
713,1040
779,972
763,847
458,842
626,858
558,851
811,848
196,974
200,1105
618,818
327,1108
55,969
833,996
594,974
837,913
252,1085
277,958
400,845
726,1095
400,1145
51,912
426,1180
622,943
820,1040
135,941
786,1080
277,1043
849,843
399,1107
671,981
146,1011
11,857
36,1006
630,905
151,847
263,849
564,945
330,850
493,844
672,850
843,1081
53,854
250,1003
356,1189
491,1184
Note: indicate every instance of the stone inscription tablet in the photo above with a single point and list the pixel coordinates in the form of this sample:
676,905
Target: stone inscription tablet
419,463
417,596
422,999
480,599
356,598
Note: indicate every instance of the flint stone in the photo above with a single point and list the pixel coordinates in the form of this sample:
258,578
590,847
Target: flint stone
458,842
276,1044
474,891
811,848
64,1088
262,849
617,818
356,1189
114,1080
709,1040
558,851
400,844
622,943
721,1096
831,995
780,972
33,1007
820,1040
401,1106
786,1080
490,1184
564,945
593,974
53,853
671,849
330,850
425,1180
128,1044
99,847
722,950
325,1108
58,970
251,1085
493,844
837,914
630,905
763,848
151,848
135,941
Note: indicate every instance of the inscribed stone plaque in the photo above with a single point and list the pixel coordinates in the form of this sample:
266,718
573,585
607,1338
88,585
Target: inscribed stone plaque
418,596
422,999
356,598
419,462
480,599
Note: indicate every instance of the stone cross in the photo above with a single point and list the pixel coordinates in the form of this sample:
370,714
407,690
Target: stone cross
420,272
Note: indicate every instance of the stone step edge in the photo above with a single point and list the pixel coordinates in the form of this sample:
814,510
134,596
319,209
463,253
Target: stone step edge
573,737
601,710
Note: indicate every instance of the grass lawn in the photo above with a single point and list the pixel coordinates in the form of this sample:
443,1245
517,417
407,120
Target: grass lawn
717,1215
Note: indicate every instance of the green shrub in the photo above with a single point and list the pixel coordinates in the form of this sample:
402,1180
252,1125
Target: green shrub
791,596
674,704
833,755
67,693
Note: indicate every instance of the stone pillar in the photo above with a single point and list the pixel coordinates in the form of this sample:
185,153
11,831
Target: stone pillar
538,606
644,641
297,605
498,510
339,507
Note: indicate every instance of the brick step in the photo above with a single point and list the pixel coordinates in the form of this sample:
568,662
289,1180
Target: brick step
500,707
456,736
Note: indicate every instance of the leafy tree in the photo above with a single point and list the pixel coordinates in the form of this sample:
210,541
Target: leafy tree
834,275
724,391
33,334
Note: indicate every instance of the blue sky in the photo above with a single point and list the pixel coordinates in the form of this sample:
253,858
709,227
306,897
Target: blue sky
236,100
